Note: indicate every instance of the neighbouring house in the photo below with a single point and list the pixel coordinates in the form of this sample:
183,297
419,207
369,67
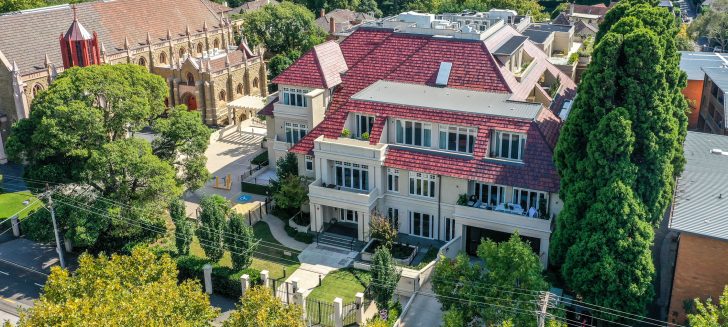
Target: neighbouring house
699,216
586,18
340,23
693,63
191,47
251,6
448,131
714,105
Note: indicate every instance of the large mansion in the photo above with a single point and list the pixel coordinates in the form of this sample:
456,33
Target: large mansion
447,129
191,46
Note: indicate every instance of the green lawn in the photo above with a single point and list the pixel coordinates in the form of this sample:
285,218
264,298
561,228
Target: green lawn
267,257
343,283
10,203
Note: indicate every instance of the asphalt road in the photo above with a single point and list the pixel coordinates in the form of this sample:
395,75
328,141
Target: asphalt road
18,287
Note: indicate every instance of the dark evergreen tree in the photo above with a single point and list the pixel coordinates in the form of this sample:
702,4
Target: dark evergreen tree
212,232
240,241
182,227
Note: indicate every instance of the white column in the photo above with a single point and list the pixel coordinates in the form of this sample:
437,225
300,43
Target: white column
338,312
3,156
207,274
544,255
264,277
300,298
244,283
359,300
317,217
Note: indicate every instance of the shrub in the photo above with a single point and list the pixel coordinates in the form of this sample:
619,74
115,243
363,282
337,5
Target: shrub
345,132
365,136
298,236
254,188
573,57
225,280
260,159
381,229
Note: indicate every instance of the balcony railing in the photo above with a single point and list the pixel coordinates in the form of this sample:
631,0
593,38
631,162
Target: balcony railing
508,208
332,192
510,218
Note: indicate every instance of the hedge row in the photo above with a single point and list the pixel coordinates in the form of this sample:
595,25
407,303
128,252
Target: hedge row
253,188
298,236
260,159
225,280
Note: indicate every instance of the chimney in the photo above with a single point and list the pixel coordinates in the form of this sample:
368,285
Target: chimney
332,25
323,12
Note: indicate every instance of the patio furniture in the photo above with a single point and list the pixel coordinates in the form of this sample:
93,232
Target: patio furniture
478,204
500,207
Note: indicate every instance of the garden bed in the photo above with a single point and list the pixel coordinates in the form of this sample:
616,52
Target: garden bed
402,253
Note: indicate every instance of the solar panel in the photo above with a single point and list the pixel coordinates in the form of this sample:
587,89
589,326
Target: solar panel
443,75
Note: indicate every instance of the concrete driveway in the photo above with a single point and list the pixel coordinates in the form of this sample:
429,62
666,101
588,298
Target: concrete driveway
424,310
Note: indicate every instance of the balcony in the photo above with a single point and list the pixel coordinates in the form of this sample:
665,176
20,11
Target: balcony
328,194
503,215
280,144
280,109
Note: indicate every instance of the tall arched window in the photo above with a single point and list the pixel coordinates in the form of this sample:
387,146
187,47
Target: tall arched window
142,61
190,79
182,52
199,48
36,89
221,96
255,82
216,44
239,89
162,57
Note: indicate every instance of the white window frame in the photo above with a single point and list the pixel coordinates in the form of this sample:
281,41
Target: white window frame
393,216
296,132
424,138
449,229
484,191
506,152
294,97
359,121
422,184
414,228
340,178
392,180
540,196
308,160
345,214
449,131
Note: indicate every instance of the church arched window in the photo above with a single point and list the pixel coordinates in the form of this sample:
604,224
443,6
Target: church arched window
142,61
162,57
239,89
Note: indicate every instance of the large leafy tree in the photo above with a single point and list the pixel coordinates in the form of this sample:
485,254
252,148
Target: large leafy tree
81,132
212,232
282,28
712,24
240,240
709,314
618,155
462,286
140,289
259,307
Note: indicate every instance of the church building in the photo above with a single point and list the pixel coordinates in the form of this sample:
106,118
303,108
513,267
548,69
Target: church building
189,43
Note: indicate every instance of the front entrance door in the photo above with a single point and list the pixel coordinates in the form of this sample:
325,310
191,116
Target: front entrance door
348,216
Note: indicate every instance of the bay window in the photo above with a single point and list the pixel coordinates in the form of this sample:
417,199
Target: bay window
352,176
413,133
508,145
294,97
295,132
456,138
422,184
421,224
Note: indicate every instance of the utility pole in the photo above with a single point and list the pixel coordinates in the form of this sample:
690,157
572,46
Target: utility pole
542,310
59,249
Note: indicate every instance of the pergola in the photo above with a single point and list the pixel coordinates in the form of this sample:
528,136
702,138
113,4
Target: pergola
244,108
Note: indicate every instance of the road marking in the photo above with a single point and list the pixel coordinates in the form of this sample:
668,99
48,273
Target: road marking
4,273
39,285
7,300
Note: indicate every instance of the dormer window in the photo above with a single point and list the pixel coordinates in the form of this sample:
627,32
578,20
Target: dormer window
508,145
456,138
364,124
414,133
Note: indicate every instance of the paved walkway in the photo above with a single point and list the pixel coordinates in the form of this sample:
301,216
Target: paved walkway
279,233
319,260
424,310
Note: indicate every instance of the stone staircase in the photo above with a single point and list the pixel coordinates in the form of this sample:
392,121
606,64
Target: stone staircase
340,241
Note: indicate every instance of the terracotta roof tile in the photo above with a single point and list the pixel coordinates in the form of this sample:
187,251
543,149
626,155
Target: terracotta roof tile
268,109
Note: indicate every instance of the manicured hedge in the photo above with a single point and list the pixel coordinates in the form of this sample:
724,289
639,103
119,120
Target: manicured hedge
253,188
298,236
260,159
225,281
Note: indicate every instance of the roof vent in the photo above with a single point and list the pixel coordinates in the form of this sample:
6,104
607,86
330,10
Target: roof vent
443,75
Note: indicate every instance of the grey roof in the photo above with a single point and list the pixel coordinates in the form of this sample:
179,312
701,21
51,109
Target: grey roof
719,76
692,62
537,36
665,3
417,95
701,199
551,27
510,46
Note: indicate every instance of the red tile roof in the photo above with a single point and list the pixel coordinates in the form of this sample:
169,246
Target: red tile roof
319,68
268,109
376,54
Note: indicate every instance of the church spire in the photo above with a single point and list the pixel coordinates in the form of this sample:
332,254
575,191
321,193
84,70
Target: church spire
78,46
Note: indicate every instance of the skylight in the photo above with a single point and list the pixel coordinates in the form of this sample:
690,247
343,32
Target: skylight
443,75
